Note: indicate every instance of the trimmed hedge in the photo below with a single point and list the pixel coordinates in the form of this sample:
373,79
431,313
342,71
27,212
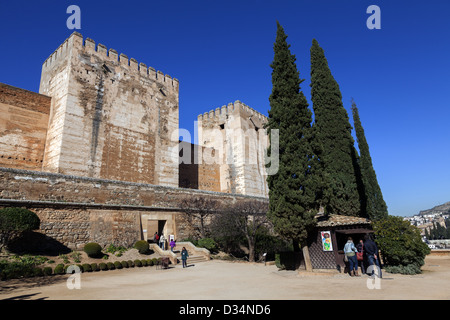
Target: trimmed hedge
59,269
142,246
87,267
93,250
33,267
47,271
95,267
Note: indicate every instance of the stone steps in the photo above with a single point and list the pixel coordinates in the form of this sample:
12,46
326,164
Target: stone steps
192,257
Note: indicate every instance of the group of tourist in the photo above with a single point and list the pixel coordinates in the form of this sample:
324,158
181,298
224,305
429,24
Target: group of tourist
364,251
161,240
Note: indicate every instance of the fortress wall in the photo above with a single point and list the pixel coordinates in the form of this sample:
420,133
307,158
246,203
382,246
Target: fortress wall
76,210
237,132
113,117
23,127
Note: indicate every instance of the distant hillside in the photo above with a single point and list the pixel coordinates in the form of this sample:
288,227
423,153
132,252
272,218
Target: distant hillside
444,208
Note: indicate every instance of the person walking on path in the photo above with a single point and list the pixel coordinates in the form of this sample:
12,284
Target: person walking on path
172,245
371,250
184,256
350,251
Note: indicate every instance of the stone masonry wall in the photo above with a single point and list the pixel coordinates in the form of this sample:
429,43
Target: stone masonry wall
76,210
23,127
111,117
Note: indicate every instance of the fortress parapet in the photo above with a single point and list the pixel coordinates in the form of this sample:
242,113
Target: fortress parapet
130,64
236,108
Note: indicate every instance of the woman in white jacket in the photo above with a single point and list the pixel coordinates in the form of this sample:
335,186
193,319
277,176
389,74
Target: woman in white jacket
350,251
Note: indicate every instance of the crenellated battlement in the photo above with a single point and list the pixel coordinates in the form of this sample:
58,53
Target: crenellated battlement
231,108
75,40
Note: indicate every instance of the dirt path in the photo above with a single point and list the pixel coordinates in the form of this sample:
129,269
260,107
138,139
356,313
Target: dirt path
220,280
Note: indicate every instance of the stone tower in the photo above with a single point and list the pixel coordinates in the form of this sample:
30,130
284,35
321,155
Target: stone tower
110,117
236,140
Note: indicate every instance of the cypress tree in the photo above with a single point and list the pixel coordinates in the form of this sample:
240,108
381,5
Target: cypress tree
375,206
333,131
293,189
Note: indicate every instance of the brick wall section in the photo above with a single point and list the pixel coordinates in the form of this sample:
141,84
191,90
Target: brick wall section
23,127
75,210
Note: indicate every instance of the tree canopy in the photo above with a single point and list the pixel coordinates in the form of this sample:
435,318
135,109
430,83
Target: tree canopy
295,189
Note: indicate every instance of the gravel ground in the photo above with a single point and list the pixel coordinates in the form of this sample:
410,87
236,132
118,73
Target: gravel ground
221,280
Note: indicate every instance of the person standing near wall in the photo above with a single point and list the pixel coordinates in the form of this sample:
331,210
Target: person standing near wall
350,251
184,256
360,255
371,250
162,242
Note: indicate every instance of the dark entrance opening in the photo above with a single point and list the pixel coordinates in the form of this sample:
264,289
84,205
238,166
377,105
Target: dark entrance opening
161,224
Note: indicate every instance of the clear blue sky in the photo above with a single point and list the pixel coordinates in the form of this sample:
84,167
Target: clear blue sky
221,51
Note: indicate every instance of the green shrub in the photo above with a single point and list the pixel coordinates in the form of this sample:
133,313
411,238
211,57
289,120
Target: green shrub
207,243
94,267
47,271
410,269
75,269
142,246
102,266
138,263
59,269
15,270
14,222
93,250
111,266
288,260
113,249
144,262
38,272
87,267
130,264
118,265
149,262
124,264
155,261
400,244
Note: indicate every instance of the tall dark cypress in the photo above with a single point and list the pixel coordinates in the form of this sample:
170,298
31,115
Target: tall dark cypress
376,207
333,130
293,189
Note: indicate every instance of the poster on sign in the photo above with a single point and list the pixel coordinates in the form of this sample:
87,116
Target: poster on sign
326,241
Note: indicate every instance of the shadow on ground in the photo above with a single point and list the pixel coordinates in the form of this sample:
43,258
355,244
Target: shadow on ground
27,284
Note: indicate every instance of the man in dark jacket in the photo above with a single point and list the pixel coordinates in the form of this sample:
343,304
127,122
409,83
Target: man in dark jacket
371,250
